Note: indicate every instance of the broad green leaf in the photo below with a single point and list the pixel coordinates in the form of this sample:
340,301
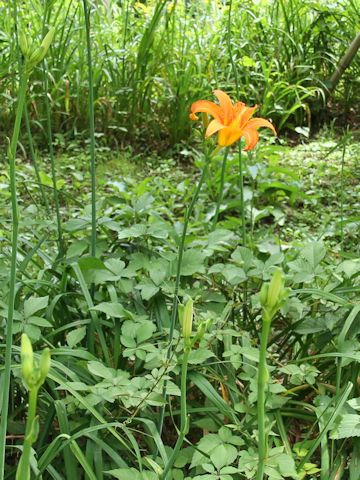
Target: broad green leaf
75,336
35,304
115,310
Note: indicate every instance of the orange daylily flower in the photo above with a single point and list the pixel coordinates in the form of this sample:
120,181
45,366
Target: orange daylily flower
232,121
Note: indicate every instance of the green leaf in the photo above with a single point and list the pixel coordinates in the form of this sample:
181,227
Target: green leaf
75,336
39,322
147,288
145,331
124,473
115,310
199,356
193,262
99,369
35,304
349,426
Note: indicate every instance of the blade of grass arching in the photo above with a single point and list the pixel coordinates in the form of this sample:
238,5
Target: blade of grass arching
339,401
150,425
82,460
54,473
63,440
283,432
91,129
93,455
212,395
115,457
94,324
69,460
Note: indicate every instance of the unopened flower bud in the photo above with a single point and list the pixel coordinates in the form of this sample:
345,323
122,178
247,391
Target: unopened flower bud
27,359
47,40
264,294
23,43
188,319
44,365
275,289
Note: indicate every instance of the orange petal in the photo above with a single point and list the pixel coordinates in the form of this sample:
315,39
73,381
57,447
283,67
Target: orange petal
228,136
213,127
205,106
243,115
251,138
260,122
225,104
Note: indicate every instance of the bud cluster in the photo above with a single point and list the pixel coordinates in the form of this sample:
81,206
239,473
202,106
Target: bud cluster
34,54
273,295
186,315
33,372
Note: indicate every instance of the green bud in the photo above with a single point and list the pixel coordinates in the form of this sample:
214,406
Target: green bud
23,43
188,319
44,365
275,289
27,360
264,294
272,295
181,308
36,56
47,40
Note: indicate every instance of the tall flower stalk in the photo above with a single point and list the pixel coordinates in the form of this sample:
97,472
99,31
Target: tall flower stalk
240,159
91,331
181,248
221,188
45,75
34,374
32,57
12,284
272,296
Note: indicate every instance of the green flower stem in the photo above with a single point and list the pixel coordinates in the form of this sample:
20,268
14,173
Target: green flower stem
241,167
242,200
221,190
262,382
92,130
50,140
12,286
181,252
23,470
178,276
184,420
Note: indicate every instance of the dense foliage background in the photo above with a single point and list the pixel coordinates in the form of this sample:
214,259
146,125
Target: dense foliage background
104,300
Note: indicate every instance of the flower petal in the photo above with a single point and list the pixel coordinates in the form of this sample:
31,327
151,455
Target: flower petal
205,106
251,138
226,105
228,136
260,122
243,115
213,127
